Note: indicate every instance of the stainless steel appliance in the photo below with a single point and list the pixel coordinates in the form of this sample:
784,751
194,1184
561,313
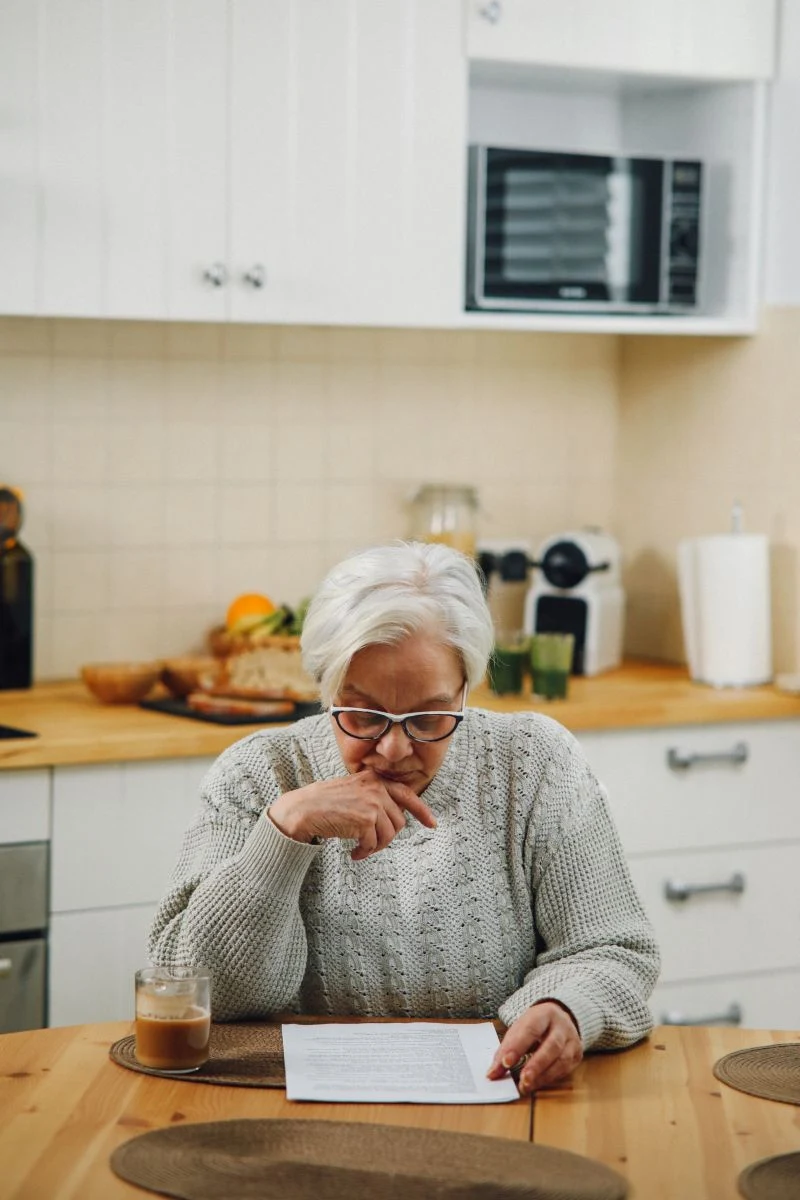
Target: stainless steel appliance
553,231
23,936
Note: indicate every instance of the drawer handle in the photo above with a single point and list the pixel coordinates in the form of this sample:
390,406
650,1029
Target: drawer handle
6,967
682,762
732,1016
683,891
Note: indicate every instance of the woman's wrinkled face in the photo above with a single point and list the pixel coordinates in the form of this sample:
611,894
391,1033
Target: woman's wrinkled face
418,674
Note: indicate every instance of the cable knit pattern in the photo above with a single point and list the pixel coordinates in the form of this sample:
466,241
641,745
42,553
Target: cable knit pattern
520,894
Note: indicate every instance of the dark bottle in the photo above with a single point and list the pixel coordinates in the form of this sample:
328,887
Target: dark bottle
16,597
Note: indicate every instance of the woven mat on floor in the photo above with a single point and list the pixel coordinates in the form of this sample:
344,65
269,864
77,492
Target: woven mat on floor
245,1054
772,1072
772,1178
337,1160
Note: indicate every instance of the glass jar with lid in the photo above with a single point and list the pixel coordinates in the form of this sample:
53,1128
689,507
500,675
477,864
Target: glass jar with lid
446,512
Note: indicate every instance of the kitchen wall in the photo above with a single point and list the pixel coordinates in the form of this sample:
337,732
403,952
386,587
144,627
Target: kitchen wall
168,467
704,422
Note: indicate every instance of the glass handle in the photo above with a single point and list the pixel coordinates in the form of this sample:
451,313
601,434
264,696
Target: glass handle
491,12
216,274
256,276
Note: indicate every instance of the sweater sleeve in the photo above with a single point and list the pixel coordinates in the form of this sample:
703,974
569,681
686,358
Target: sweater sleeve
233,901
598,955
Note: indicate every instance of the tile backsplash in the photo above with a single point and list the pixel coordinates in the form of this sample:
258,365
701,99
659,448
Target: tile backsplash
702,423
167,467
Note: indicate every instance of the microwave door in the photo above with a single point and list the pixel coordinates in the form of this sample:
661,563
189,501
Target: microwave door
544,228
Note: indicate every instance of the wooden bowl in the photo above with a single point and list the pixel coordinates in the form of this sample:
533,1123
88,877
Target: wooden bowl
121,683
181,676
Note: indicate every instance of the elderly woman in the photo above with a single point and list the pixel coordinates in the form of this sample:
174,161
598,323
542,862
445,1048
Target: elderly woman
402,855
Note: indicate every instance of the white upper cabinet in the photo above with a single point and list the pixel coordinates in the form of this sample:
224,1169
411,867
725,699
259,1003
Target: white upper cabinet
71,161
19,191
701,39
197,187
346,161
252,160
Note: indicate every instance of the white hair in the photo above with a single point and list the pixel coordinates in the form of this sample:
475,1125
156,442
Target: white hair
381,595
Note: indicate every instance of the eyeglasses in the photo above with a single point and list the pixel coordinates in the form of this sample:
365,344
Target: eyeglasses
369,725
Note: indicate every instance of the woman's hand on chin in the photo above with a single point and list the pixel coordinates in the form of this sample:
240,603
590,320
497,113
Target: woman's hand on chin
543,1045
361,806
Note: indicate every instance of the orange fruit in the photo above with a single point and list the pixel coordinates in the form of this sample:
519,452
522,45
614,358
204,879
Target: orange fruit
248,605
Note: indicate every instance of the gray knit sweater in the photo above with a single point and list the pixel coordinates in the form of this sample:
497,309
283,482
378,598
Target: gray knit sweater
521,893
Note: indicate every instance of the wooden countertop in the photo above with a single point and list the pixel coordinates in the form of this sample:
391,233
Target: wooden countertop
73,727
654,1113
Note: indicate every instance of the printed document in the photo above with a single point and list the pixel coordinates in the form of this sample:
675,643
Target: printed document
415,1062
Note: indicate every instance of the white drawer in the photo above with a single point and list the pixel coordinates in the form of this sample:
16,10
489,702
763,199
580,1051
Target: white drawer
24,806
724,932
769,1001
93,959
117,830
714,803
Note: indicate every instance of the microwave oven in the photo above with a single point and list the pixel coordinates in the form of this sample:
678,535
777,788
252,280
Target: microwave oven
552,231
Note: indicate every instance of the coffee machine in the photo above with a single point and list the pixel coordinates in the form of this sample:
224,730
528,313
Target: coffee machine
576,588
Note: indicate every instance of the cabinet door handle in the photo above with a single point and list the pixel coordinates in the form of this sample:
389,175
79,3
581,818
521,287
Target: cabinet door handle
673,890
491,12
256,276
732,1016
216,274
6,967
682,762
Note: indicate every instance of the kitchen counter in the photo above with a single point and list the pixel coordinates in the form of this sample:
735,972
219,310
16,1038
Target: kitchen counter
74,728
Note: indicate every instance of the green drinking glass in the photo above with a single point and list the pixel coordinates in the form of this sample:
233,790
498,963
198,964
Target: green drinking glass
551,663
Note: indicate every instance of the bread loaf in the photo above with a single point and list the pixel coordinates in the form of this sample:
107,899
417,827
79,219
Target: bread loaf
271,671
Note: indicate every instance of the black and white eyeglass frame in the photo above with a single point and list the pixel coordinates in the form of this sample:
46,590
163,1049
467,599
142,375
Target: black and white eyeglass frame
391,719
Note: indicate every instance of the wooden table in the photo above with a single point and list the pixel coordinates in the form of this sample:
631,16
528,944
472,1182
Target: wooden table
655,1113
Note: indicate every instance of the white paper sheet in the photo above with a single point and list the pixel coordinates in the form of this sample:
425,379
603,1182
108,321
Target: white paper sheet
404,1062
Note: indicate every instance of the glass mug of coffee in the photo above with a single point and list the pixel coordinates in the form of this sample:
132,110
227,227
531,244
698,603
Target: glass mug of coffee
173,1018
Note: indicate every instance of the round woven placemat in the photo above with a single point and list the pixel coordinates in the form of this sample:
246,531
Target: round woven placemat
772,1178
246,1054
337,1160
772,1072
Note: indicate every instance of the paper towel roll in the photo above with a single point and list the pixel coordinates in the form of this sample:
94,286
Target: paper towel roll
725,605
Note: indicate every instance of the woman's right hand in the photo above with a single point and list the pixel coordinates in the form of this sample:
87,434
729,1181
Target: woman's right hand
361,806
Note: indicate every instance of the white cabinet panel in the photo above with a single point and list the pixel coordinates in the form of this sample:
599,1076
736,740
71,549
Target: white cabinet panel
19,192
408,164
262,152
24,806
197,154
708,804
347,161
755,929
117,831
768,1001
93,958
714,39
135,138
72,103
